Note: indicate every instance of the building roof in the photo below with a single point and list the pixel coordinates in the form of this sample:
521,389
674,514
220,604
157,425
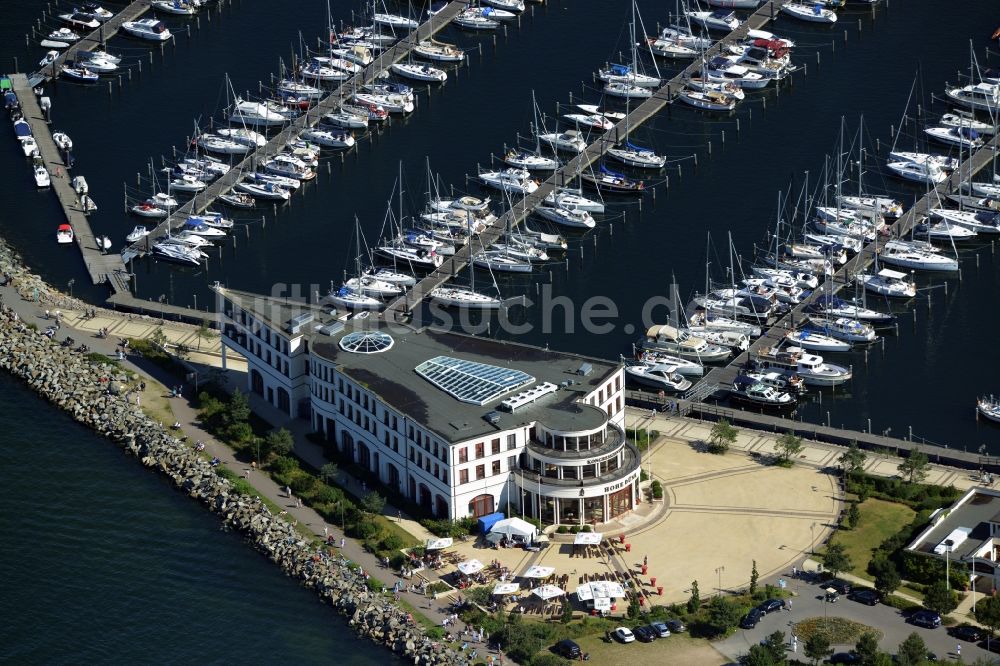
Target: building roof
280,314
392,376
978,510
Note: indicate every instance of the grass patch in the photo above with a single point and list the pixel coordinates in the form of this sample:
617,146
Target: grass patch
641,437
838,630
879,521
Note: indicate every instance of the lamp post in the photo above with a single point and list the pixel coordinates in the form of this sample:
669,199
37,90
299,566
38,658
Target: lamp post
70,284
719,571
812,541
948,545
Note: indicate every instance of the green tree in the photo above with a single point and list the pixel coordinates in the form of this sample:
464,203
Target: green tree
237,408
181,351
788,445
694,601
158,337
758,656
938,598
867,648
775,646
988,612
852,461
723,614
818,647
853,515
754,577
887,578
329,472
203,333
567,612
914,468
912,651
520,643
373,503
723,436
279,442
836,559
864,491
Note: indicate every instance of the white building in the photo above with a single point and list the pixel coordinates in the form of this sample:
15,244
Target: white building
462,425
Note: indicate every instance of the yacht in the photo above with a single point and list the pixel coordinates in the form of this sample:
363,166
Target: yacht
627,91
395,277
661,376
496,261
348,118
63,35
289,167
980,221
566,217
79,74
62,141
245,136
328,139
392,103
395,21
838,242
843,328
147,209
810,367
299,90
148,29
979,97
800,279
515,181
883,206
748,390
889,283
710,100
419,72
256,114
612,182
522,159
927,173
723,70
475,18
97,63
682,34
178,253
625,74
779,381
263,190
815,341
906,255
703,322
721,20
214,143
138,233
178,7
79,21
944,231
734,303
348,298
681,366
591,121
211,219
637,156
666,47
439,51
989,408
240,200
965,120
987,204
943,162
573,199
813,13
569,141
196,227
42,176
414,257
963,137
508,5
672,340
831,306
472,204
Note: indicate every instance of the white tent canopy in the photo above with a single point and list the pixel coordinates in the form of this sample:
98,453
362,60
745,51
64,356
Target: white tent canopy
506,588
602,604
438,544
547,592
515,527
539,572
588,538
471,567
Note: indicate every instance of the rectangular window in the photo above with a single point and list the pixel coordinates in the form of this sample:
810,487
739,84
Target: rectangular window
496,467
511,441
511,463
480,449
495,446
480,472
463,454
463,476
618,383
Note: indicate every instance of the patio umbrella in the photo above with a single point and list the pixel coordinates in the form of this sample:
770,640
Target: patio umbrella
539,572
471,567
506,588
438,544
547,592
588,539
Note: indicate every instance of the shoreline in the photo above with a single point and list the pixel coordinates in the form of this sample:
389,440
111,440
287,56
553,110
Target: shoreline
92,393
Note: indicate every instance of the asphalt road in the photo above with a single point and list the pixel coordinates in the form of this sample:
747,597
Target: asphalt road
809,603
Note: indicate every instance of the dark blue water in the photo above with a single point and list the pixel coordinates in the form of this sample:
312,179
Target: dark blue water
105,563
628,259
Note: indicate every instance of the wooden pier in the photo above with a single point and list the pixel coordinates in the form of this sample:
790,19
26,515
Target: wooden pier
722,377
595,151
102,267
106,31
276,144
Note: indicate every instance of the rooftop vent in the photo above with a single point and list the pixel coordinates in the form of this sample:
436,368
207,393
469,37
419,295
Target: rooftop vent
493,418
332,328
585,369
514,402
295,324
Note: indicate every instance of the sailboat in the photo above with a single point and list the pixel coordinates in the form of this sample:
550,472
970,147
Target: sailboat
532,161
465,297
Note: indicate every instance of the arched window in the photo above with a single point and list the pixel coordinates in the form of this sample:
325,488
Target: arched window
481,506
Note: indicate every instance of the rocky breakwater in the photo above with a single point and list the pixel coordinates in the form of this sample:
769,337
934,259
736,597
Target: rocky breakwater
93,393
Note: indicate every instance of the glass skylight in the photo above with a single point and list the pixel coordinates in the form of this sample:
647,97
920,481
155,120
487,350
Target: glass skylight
366,342
467,381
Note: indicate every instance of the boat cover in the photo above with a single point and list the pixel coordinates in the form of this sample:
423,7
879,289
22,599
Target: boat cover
22,129
635,147
620,70
615,174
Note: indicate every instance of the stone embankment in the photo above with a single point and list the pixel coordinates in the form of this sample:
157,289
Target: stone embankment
92,393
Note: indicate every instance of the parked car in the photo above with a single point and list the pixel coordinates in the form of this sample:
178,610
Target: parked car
849,658
841,586
676,626
771,605
968,633
926,618
624,634
567,648
645,634
660,629
869,597
751,619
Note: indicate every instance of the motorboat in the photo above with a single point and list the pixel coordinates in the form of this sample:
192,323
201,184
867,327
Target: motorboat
95,11
348,298
41,176
49,58
980,221
430,49
776,379
149,29
569,141
831,306
500,262
702,322
62,141
837,242
177,7
681,365
941,161
707,100
962,120
883,206
888,283
395,21
507,5
627,91
661,376
515,181
240,200
392,103
636,156
196,227
63,35
178,253
760,59
735,303
723,70
989,408
813,13
79,21
457,225
97,63
424,240
786,292
927,173
734,4
463,297
146,209
963,137
679,342
369,285
810,367
211,219
979,97
612,182
944,231
682,34
186,183
79,74
720,20
289,167
256,114
359,55
315,70
798,278
749,390
522,159
475,19
328,139
705,84
214,143
844,328
374,112
188,239
615,73
137,234
592,121
472,204
419,72
64,234
812,340
263,190
22,131
162,199
904,255
572,199
347,119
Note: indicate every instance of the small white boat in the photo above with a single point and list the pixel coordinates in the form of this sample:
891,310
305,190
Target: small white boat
573,199
79,74
566,217
884,206
508,5
473,204
97,63
989,408
904,254
419,72
389,275
681,365
515,181
438,51
178,253
658,375
148,29
137,234
888,283
475,19
707,100
95,11
395,21
625,74
214,143
50,57
63,35
843,328
592,121
956,136
501,263
79,20
147,209
298,89
927,172
966,121
670,48
813,13
724,70
627,91
979,97
187,183
244,136
240,200
463,297
720,20
329,139
263,190
530,161
811,340
391,103
346,119
64,234
177,7
594,110
62,141
943,162
569,141
637,156
256,114
42,176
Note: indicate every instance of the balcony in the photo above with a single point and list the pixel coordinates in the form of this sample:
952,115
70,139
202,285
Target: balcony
614,441
630,464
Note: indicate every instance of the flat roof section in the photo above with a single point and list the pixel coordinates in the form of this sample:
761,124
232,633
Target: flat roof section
975,514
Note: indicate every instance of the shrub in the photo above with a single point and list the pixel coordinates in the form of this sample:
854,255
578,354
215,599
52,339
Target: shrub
327,495
435,633
283,465
562,529
575,529
95,357
390,542
374,585
586,528
362,529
